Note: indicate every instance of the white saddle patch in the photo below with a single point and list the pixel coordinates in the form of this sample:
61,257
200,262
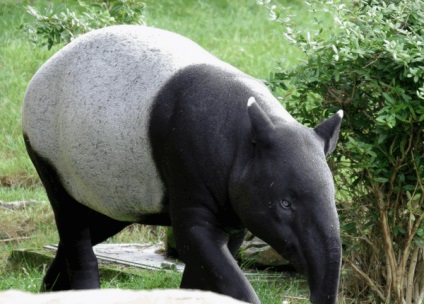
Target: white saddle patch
87,111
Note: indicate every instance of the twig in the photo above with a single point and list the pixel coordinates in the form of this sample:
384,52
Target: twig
372,62
16,239
295,298
366,278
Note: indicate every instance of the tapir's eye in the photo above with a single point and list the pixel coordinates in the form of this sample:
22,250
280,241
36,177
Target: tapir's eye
285,204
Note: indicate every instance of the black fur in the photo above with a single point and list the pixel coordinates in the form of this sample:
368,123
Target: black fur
200,133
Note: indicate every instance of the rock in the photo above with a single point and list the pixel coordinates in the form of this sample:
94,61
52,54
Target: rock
256,252
117,296
253,252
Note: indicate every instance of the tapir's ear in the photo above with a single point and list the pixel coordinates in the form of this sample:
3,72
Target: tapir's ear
329,130
261,123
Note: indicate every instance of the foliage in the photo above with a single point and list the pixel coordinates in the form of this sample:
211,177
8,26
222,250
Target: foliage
373,68
63,24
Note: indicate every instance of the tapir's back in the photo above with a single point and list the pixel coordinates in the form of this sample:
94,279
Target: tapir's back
87,110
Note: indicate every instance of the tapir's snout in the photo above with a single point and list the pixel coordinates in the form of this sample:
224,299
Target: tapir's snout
314,249
321,265
323,262
324,287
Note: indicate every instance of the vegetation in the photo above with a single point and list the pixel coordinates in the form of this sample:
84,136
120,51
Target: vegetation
57,25
372,66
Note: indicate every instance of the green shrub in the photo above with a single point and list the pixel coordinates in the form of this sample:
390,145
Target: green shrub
59,25
372,67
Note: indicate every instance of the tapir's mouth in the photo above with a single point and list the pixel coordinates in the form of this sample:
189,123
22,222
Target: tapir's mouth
318,298
323,278
295,258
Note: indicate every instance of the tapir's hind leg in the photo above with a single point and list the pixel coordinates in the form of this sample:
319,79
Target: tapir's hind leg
101,228
75,265
75,252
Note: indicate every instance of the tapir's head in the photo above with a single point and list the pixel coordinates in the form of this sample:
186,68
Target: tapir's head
285,196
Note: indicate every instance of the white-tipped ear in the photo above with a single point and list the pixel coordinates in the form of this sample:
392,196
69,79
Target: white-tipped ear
251,101
329,130
261,124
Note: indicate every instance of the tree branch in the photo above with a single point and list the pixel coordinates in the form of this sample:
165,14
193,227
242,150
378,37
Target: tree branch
368,280
410,276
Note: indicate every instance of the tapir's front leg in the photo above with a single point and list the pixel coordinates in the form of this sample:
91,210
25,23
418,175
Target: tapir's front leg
203,246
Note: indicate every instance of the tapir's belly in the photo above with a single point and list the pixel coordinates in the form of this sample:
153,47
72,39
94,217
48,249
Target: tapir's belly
87,112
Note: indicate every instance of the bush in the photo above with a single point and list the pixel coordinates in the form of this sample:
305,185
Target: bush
59,25
372,66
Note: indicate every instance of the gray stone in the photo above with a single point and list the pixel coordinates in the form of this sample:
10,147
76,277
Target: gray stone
256,252
147,256
117,296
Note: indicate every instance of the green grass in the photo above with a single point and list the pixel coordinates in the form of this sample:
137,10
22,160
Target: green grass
237,31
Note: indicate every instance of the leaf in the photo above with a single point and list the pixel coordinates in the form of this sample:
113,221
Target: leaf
388,98
416,197
409,187
381,179
31,10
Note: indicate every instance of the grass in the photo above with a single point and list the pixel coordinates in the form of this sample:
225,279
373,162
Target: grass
236,31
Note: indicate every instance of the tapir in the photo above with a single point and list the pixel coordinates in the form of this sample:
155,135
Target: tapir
132,124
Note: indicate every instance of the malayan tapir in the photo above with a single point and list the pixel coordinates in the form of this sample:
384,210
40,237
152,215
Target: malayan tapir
131,124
